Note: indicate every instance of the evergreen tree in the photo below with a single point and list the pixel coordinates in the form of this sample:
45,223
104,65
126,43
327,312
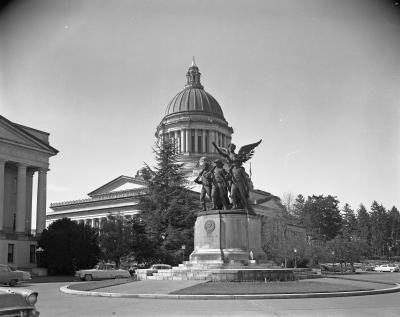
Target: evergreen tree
322,217
394,227
364,224
298,208
379,229
68,247
349,225
169,208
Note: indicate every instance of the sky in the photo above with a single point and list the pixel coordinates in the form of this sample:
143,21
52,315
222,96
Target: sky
316,80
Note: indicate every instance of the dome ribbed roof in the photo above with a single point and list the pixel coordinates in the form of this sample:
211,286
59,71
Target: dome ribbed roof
194,97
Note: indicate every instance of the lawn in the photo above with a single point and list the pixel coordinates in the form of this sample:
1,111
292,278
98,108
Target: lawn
238,288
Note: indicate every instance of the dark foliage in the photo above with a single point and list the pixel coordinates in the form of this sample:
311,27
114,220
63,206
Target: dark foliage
321,217
168,210
124,237
68,247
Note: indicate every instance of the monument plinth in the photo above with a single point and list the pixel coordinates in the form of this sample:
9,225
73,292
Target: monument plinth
223,237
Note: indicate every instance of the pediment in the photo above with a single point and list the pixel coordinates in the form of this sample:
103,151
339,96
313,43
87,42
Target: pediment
12,133
121,183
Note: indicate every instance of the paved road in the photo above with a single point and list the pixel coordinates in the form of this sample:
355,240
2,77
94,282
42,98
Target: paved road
56,304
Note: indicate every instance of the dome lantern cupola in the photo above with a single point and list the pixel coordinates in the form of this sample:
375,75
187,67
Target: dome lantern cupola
193,76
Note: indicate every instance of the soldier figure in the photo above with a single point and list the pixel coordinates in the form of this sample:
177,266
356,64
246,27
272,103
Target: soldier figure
240,186
205,179
220,184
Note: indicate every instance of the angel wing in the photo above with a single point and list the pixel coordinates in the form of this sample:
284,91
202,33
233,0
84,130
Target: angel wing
246,151
223,151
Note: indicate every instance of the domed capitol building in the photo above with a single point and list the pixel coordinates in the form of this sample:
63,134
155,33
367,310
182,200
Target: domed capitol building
194,120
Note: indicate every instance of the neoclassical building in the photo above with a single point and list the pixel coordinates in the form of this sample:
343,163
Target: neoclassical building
120,195
193,119
24,151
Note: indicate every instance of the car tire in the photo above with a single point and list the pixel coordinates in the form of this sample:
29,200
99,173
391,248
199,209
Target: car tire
88,277
13,282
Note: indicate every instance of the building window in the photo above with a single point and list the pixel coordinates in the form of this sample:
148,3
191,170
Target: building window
206,149
10,257
32,253
14,221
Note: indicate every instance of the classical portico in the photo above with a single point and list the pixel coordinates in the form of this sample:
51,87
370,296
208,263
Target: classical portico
24,152
194,120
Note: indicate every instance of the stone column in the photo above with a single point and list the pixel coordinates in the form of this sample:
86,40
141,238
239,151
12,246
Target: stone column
28,211
182,141
41,201
210,140
196,141
187,135
204,142
176,141
2,176
21,198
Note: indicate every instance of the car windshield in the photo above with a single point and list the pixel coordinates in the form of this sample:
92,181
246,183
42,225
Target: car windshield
5,268
105,267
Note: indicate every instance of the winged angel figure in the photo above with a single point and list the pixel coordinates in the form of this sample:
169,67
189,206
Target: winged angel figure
245,152
241,183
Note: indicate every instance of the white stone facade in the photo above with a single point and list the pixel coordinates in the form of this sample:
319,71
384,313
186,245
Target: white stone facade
119,196
24,151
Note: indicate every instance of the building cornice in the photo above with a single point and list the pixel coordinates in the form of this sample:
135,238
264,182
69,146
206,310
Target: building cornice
109,196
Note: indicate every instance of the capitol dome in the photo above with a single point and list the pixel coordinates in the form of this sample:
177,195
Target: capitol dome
194,120
194,99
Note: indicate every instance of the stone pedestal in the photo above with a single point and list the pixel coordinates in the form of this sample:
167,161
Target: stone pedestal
226,237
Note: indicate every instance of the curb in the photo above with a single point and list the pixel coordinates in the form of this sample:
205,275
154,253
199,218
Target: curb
394,289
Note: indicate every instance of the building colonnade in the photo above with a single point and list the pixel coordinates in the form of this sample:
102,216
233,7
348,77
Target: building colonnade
197,140
95,222
21,187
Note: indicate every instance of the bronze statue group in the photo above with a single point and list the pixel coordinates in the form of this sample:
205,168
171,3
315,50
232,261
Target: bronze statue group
219,183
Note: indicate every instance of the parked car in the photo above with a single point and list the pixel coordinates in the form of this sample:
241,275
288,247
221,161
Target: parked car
156,267
18,302
387,268
25,275
8,276
329,267
368,267
102,271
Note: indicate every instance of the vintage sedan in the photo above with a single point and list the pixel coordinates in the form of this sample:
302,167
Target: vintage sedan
8,276
18,302
157,267
387,268
25,275
101,272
